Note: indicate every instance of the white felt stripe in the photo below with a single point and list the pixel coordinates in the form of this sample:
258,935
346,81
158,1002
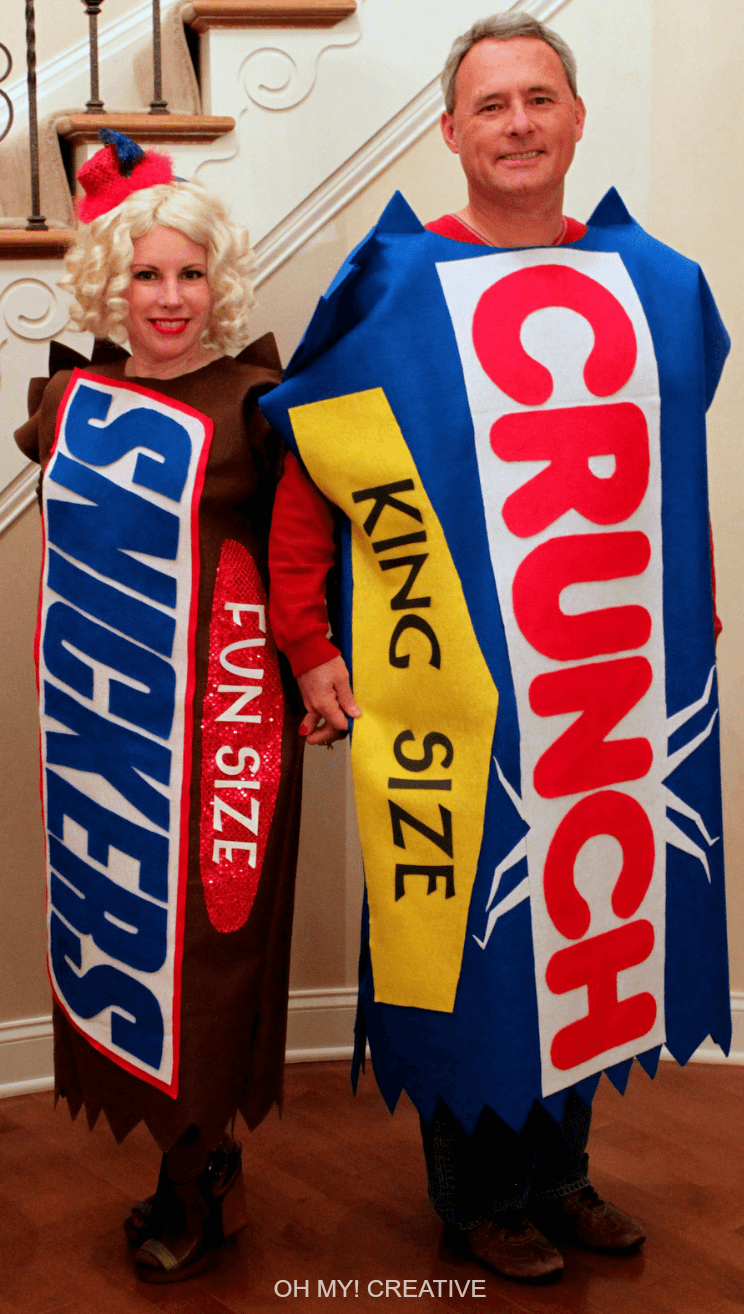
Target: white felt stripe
561,339
192,435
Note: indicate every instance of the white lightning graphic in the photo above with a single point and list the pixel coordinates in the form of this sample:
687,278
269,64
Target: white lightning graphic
674,835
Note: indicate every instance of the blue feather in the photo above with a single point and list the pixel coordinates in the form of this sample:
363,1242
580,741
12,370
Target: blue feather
128,153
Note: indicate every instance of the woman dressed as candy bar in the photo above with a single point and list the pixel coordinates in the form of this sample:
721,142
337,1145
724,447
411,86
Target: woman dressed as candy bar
171,776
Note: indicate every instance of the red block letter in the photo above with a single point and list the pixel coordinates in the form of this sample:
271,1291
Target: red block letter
503,308
596,964
607,813
581,758
568,438
574,559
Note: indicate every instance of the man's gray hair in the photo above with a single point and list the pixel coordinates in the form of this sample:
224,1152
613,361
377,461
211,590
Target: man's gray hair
504,27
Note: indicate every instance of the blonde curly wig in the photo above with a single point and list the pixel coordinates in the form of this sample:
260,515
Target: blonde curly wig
99,263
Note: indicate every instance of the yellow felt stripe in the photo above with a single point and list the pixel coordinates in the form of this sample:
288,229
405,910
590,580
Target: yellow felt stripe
352,444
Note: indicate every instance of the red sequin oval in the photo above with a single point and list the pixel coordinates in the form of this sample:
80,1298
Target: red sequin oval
241,740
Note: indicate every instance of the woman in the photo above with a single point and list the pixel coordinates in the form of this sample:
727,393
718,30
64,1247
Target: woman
171,773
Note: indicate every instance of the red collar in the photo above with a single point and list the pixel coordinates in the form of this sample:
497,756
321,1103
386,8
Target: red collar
450,226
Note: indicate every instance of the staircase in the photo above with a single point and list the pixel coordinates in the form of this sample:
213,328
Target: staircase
79,132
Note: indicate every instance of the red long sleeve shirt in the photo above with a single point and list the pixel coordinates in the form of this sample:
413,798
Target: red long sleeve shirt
301,552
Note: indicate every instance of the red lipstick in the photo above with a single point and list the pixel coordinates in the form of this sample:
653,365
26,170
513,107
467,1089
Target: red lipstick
169,327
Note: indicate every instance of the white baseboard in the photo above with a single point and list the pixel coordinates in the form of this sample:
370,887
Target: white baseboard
320,1029
320,1025
26,1056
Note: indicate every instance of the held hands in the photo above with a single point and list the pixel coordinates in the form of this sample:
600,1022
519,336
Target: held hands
326,693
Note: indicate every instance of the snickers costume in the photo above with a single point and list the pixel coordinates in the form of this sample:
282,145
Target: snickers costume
171,789
510,446
170,759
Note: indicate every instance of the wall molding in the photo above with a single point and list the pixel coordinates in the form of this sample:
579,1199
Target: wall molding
320,1030
26,1063
366,164
320,1024
542,9
16,497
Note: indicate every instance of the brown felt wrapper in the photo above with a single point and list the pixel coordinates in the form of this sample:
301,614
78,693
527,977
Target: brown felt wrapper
234,985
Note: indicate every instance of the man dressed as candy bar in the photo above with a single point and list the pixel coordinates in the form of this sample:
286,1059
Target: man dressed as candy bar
498,424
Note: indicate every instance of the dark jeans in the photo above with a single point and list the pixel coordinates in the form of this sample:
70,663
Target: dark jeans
472,1178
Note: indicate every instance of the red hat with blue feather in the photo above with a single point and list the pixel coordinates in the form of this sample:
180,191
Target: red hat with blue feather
118,169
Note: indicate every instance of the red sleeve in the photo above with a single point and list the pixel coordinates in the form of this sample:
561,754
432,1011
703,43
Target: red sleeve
301,552
717,622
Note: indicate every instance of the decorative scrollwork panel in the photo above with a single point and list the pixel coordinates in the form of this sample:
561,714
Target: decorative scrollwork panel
280,74
33,310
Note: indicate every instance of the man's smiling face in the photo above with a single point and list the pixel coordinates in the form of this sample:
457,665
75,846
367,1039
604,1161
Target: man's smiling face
515,123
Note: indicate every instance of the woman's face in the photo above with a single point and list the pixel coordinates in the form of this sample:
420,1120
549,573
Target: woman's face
169,301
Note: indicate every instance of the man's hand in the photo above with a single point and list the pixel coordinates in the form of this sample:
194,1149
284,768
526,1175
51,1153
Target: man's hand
326,693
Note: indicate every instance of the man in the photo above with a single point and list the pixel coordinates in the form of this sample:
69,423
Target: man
417,404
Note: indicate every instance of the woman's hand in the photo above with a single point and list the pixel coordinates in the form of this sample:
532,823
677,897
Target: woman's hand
326,693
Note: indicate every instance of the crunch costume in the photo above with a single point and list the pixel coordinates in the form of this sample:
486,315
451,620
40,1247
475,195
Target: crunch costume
544,890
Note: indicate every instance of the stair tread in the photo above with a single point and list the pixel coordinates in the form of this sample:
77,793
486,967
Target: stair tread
79,128
204,14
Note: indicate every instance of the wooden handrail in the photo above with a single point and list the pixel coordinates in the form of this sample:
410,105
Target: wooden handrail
204,14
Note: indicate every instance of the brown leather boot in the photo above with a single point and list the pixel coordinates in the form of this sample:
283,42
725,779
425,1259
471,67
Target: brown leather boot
513,1247
584,1219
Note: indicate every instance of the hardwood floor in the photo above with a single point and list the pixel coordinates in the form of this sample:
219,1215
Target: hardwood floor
336,1191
